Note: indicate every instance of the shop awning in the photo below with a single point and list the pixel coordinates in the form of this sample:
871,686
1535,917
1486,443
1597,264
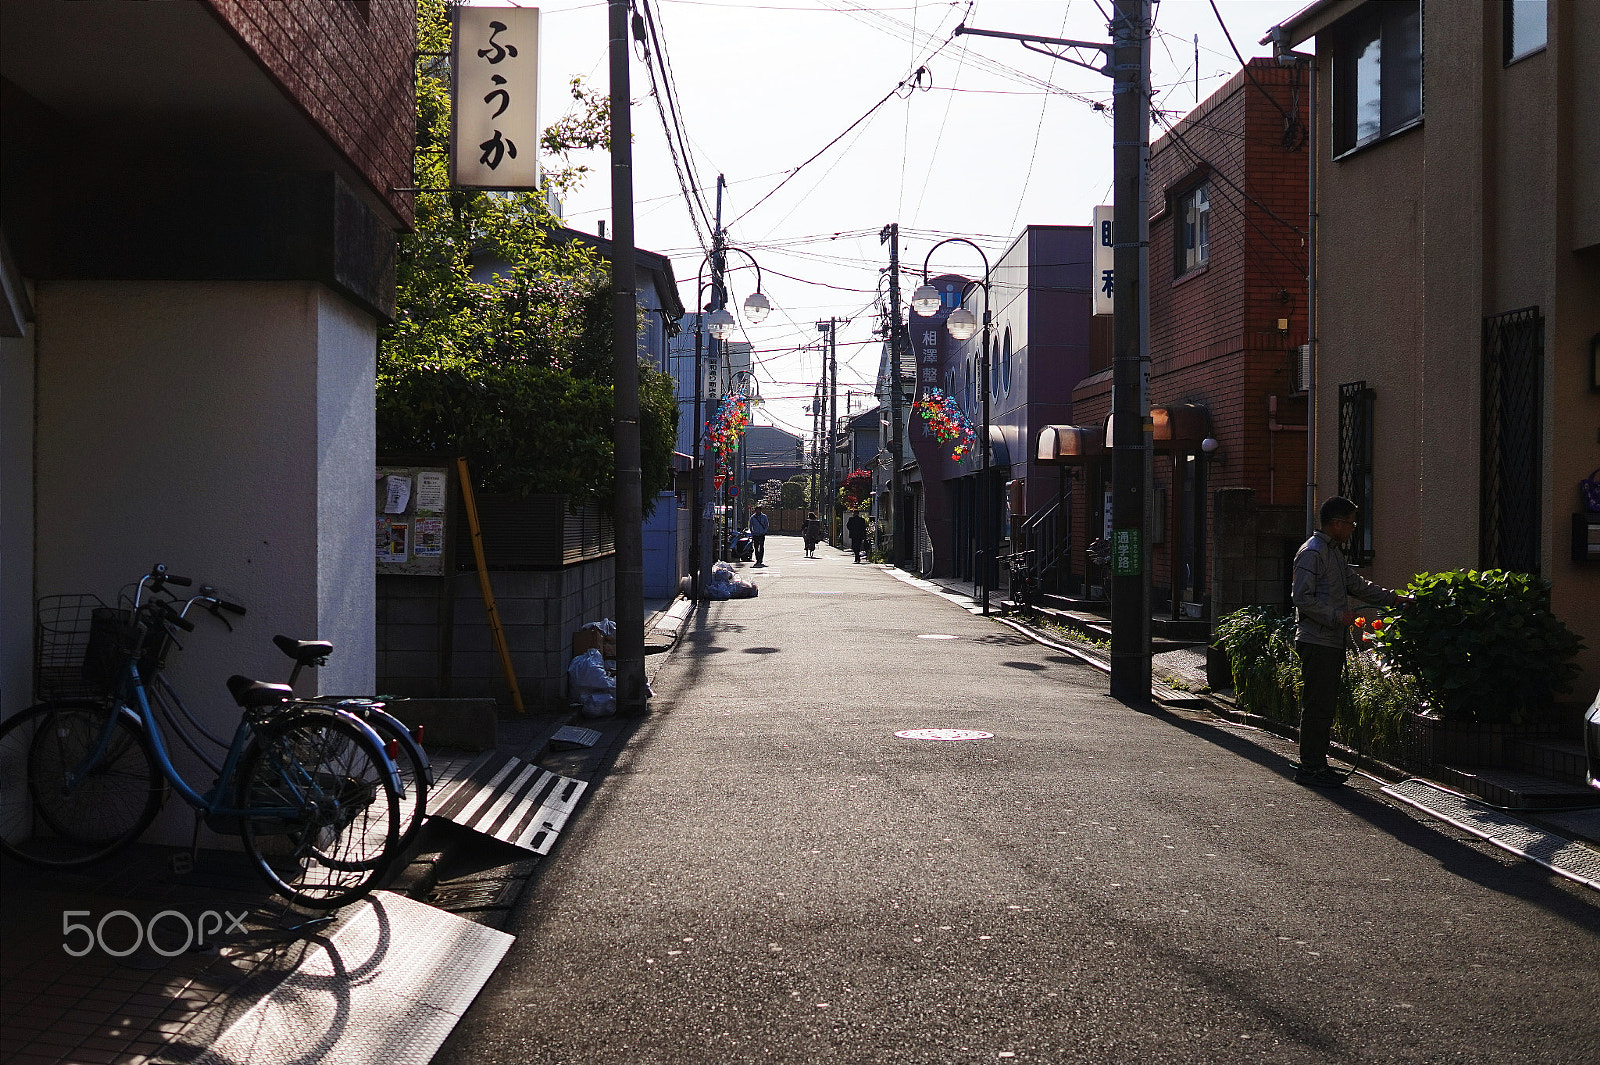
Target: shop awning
1067,445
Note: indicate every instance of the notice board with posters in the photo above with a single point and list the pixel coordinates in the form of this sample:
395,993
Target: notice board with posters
412,511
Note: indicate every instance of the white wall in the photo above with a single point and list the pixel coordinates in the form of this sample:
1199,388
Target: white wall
227,430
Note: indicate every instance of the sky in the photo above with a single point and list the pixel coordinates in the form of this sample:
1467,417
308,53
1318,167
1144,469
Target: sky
990,139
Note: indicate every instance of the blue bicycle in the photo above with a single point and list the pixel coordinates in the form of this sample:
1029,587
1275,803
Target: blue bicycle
309,788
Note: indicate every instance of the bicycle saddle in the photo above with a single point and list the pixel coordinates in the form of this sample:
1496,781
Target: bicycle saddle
252,693
306,652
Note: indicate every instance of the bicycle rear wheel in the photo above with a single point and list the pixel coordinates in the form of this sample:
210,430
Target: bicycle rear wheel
77,782
409,762
321,816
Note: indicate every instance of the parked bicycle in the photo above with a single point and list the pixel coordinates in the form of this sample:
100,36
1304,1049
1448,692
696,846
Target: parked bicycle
1025,586
403,746
308,788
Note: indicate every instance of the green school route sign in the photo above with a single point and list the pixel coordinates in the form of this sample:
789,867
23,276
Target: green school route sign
1127,553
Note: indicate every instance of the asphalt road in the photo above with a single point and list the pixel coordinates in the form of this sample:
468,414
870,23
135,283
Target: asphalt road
767,873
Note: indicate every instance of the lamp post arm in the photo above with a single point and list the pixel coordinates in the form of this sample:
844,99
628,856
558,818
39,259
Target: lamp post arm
1031,40
954,240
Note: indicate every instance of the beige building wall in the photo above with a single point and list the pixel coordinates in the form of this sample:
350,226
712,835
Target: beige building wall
1492,204
225,429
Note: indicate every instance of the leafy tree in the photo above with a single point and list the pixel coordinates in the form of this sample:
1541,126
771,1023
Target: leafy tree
511,368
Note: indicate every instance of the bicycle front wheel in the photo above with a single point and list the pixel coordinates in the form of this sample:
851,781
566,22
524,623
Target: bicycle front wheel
321,817
77,782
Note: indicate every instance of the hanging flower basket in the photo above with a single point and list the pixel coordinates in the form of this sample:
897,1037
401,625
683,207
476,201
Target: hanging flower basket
946,421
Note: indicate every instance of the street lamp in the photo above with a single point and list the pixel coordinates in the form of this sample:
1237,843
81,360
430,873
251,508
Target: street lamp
719,322
962,325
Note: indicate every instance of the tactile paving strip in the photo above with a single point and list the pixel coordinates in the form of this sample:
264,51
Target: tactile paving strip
1575,861
385,988
513,801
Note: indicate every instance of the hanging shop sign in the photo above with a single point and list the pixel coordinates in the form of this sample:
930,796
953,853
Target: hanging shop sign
494,128
1105,261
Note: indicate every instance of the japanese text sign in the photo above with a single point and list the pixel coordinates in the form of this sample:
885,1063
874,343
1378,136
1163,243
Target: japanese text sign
1105,260
494,132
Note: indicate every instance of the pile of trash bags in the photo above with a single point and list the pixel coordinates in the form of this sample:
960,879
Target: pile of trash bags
725,584
594,679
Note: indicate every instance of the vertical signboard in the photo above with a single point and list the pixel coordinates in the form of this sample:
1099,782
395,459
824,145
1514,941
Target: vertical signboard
1105,260
494,129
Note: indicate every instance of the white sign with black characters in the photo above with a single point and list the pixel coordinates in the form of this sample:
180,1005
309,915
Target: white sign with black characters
1105,261
494,62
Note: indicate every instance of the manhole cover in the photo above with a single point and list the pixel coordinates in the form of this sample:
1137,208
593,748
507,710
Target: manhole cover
944,734
936,636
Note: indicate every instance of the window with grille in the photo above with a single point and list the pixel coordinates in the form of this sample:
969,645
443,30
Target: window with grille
1509,513
1355,462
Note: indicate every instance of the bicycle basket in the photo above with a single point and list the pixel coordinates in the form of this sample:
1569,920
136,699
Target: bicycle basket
113,636
60,646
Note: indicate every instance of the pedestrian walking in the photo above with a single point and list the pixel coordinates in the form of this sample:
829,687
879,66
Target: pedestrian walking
759,524
812,532
1324,584
857,528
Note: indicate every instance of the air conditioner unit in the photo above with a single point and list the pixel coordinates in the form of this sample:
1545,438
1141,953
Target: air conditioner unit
1301,359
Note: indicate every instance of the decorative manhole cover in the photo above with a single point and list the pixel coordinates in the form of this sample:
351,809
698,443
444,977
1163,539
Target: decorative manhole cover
944,734
936,636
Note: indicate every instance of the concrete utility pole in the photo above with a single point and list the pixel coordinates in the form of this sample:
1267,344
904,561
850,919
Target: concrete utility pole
708,462
1130,382
830,373
1127,62
891,234
628,502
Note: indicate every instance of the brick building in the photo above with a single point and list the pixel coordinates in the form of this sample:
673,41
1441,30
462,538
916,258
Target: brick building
1227,320
197,237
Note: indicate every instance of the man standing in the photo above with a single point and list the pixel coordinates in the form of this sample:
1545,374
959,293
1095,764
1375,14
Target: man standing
857,528
758,532
1324,584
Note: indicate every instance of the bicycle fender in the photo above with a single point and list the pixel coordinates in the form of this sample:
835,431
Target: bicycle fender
389,769
408,741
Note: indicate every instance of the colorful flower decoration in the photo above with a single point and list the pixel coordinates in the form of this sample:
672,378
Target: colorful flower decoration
946,421
727,425
857,490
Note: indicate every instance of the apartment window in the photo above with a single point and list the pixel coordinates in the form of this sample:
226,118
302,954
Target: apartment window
1526,27
1193,246
1356,402
1512,451
1377,74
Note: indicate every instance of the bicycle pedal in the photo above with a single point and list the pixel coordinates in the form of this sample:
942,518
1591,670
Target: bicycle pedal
180,864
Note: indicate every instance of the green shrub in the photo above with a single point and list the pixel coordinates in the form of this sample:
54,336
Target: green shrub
1259,641
1483,645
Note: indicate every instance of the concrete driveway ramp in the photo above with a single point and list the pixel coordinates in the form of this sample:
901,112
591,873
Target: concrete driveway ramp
385,987
510,800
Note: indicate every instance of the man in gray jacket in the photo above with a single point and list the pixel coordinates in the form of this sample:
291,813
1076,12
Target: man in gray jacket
1324,584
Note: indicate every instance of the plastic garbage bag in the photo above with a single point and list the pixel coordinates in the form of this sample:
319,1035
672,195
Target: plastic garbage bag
593,685
726,584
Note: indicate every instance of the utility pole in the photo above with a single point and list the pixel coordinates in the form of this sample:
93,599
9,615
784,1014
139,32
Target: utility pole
832,426
709,383
628,502
891,234
1127,61
1130,382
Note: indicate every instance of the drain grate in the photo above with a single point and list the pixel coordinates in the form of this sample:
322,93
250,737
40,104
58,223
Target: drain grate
1575,861
513,801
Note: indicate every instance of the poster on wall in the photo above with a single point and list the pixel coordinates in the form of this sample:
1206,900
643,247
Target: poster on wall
411,503
392,539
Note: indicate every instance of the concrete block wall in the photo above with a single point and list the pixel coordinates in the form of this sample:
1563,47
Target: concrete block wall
538,610
1254,550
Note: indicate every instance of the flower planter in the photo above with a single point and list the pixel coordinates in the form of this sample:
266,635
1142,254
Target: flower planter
1433,741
